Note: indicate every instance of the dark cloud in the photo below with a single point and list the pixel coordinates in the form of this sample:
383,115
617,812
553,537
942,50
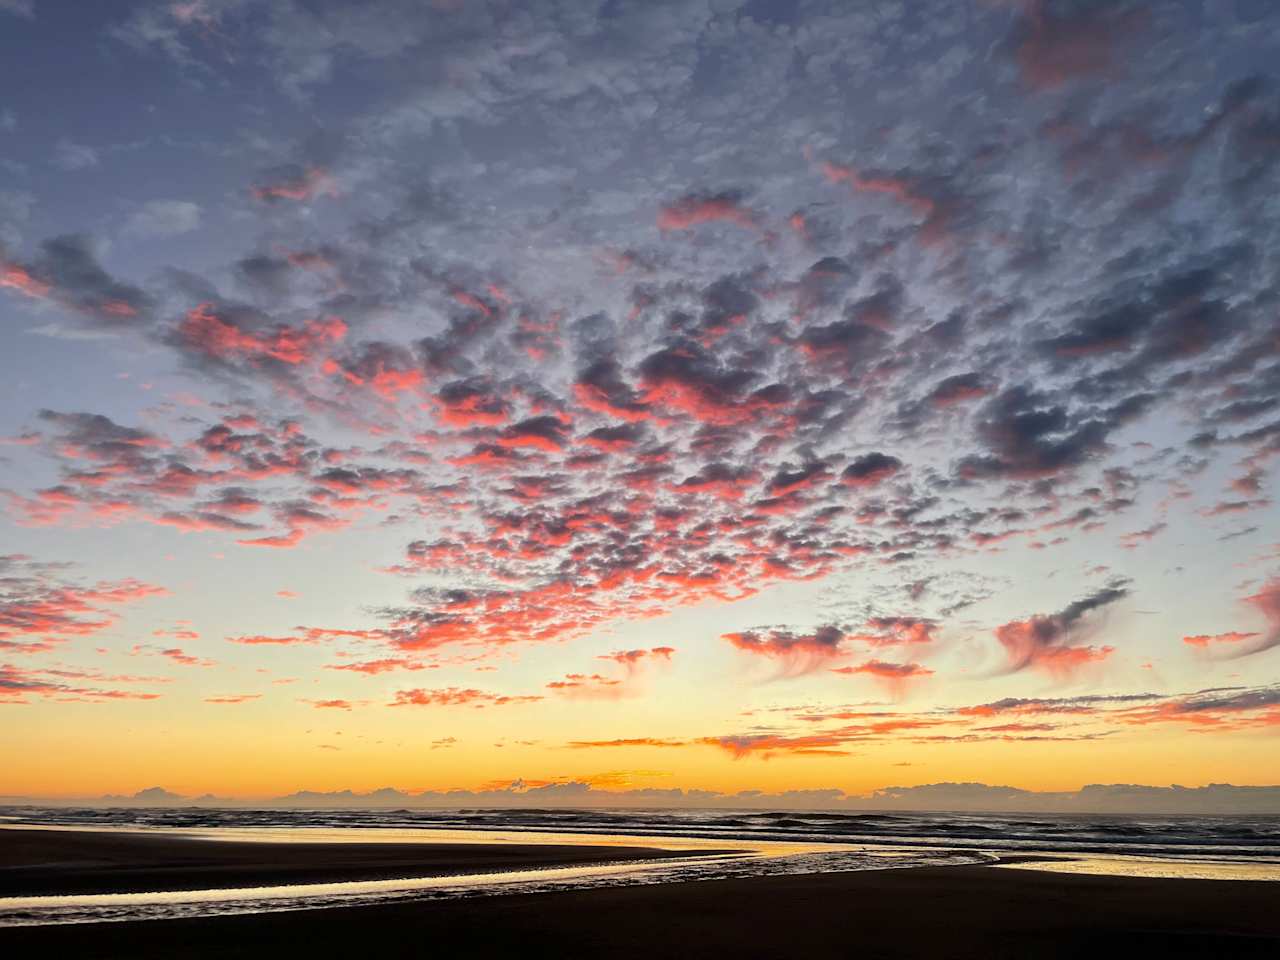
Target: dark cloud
870,469
1029,435
67,271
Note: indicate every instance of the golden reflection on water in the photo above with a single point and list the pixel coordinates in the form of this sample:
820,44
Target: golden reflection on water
1152,867
447,835
704,858
350,888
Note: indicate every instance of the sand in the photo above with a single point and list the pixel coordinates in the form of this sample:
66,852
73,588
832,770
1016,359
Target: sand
36,862
937,912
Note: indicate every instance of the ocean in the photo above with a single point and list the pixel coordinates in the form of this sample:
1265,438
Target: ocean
719,843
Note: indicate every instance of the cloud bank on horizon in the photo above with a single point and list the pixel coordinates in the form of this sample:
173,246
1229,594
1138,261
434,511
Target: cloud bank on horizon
704,382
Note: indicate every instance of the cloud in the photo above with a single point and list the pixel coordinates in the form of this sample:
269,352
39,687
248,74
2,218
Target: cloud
163,218
768,745
1131,540
471,402
37,608
694,209
1234,644
1047,642
19,8
894,676
295,184
1205,640
1224,710
178,656
594,404
921,198
456,697
870,469
175,654
1267,602
636,666
592,686
795,653
1028,435
602,791
1086,704
1052,50
208,335
301,521
895,631
261,640
959,389
632,742
15,213
383,665
17,685
306,636
67,272
333,704
71,156
633,659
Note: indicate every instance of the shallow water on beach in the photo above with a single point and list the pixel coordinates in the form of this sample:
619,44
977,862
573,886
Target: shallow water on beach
1244,838
719,844
1153,868
752,860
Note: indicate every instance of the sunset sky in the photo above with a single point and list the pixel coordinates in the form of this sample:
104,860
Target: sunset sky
705,395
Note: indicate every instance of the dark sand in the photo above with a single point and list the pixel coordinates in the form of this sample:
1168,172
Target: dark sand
34,862
938,912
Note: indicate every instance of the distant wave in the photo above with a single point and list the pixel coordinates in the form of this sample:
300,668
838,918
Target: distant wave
1242,838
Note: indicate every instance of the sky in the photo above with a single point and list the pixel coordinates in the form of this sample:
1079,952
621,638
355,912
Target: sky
675,400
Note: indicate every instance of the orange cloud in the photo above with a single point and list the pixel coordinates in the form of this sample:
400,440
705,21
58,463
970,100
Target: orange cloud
334,704
631,742
894,675
310,182
259,640
17,277
633,658
1267,602
187,660
767,745
592,686
66,611
16,685
204,331
690,211
1205,640
456,697
385,665
1223,709
895,631
798,653
233,698
1047,641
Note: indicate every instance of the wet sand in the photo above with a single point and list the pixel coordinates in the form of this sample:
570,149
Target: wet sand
934,912
38,862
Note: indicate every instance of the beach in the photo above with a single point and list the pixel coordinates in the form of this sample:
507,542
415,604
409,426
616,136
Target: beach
960,911
46,862
955,912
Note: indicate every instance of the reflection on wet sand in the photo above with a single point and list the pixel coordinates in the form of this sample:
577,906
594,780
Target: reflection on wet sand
648,860
703,860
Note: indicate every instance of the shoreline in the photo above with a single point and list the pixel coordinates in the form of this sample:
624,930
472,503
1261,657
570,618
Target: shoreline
957,911
40,862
